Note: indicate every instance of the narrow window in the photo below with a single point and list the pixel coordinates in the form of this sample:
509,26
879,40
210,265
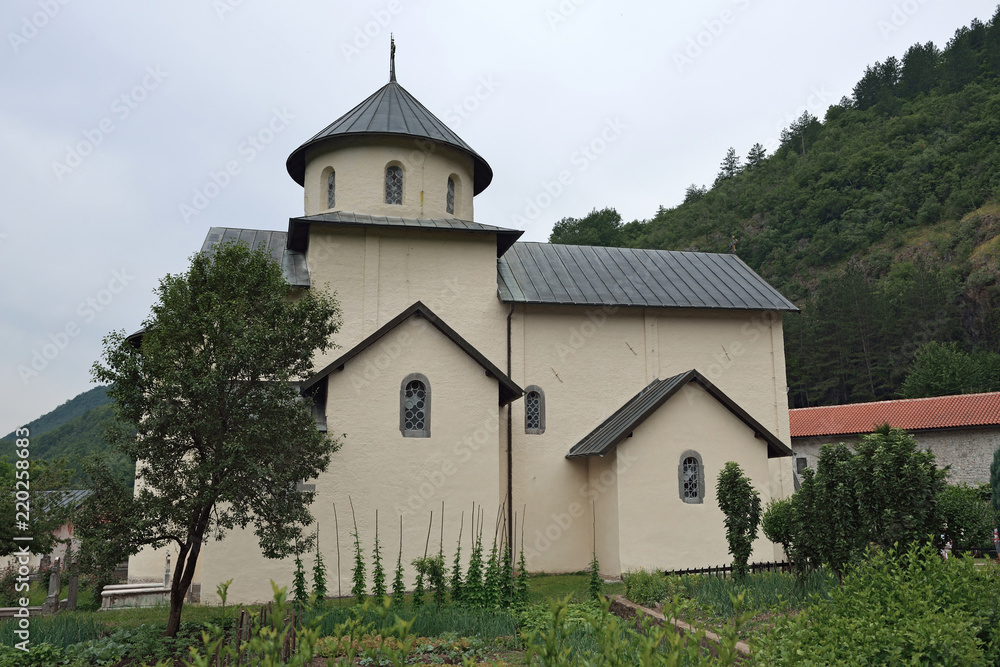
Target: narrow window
331,189
415,407
691,477
801,463
393,185
534,410
451,196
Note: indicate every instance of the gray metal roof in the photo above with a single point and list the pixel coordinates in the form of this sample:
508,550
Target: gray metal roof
596,276
298,227
391,110
293,262
636,410
66,498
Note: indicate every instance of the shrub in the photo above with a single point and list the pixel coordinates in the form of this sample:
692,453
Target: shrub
777,523
646,588
967,519
911,608
740,502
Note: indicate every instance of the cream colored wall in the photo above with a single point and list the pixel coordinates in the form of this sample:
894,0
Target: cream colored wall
603,495
656,528
589,361
377,273
360,178
381,470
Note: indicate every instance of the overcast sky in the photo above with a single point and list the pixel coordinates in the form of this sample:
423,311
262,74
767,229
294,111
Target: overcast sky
114,116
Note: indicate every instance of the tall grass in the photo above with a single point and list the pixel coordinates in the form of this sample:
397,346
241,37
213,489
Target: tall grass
763,591
60,630
429,622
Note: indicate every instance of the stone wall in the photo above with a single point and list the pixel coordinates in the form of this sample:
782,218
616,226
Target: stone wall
969,452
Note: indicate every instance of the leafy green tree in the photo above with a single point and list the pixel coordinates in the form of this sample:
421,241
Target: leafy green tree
777,524
39,482
730,166
941,369
837,517
897,486
200,402
740,502
967,520
600,227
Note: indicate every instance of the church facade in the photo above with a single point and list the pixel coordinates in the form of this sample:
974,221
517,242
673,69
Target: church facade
580,397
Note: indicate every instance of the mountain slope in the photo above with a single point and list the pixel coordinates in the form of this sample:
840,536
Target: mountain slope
69,410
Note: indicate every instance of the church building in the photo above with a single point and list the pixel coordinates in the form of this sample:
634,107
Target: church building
586,396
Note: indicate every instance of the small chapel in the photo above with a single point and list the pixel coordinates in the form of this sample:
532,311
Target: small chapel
584,398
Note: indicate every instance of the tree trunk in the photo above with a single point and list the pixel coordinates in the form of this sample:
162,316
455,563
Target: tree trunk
187,559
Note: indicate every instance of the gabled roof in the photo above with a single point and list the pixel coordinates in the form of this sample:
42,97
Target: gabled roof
391,110
640,407
293,262
508,389
298,228
550,273
914,414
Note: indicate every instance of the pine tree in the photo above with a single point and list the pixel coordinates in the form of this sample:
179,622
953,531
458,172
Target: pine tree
756,156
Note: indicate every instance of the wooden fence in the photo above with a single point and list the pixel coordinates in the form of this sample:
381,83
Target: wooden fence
726,570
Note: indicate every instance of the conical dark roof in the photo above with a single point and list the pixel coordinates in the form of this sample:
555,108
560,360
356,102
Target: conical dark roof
391,110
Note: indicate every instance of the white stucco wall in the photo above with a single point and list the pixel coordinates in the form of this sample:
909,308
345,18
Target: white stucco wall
360,166
381,470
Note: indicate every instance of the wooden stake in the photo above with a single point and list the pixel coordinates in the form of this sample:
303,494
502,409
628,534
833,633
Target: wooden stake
336,527
427,544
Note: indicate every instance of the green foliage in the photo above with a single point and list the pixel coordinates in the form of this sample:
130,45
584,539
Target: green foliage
602,228
614,642
398,587
319,575
378,573
68,411
358,573
913,608
897,486
941,369
995,481
595,583
835,531
491,579
521,581
418,589
967,519
740,502
202,399
506,577
647,588
456,572
39,480
299,581
475,593
432,569
777,523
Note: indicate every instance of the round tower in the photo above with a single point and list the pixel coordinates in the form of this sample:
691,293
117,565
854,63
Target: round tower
389,156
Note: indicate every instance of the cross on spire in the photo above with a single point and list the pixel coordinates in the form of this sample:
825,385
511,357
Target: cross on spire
392,58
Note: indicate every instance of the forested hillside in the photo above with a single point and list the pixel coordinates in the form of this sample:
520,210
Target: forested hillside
74,430
880,222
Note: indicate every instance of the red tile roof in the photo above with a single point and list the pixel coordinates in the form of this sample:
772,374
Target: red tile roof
915,414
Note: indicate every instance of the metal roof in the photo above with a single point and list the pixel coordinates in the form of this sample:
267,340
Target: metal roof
636,410
66,498
293,262
391,110
509,390
299,227
551,273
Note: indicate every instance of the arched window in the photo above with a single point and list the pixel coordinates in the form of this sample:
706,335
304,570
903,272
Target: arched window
331,189
415,407
691,477
534,410
451,196
393,185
